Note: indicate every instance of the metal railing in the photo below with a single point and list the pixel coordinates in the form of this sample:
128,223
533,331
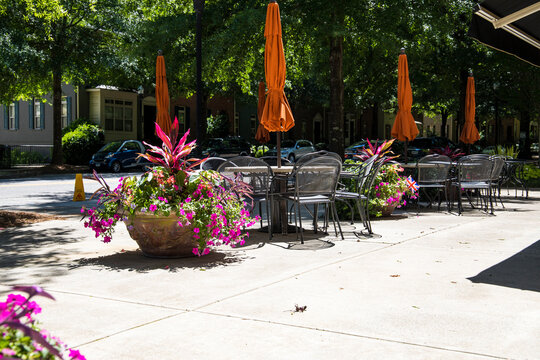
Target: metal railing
12,155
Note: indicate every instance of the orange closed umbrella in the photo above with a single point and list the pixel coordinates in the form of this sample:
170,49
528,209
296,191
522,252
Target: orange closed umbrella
262,135
404,128
162,96
469,134
277,114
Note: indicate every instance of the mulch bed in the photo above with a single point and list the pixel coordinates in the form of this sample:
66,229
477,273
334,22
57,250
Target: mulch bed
19,218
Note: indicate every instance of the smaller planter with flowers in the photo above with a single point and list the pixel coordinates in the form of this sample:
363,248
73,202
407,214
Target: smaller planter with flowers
173,210
390,189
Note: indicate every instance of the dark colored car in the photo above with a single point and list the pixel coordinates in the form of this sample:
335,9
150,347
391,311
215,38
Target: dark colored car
226,147
354,149
398,149
119,155
432,143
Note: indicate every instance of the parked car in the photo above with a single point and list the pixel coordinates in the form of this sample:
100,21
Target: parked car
397,148
119,155
226,147
354,149
432,143
292,150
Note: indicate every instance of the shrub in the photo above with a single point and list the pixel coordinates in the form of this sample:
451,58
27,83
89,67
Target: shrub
217,126
75,124
26,157
80,144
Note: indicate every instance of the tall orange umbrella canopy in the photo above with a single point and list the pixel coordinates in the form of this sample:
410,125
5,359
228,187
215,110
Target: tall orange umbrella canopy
277,114
469,133
162,96
404,126
262,135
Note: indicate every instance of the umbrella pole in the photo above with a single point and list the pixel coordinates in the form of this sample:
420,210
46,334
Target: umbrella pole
279,149
405,155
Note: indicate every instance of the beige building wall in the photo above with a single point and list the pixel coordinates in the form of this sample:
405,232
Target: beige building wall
115,111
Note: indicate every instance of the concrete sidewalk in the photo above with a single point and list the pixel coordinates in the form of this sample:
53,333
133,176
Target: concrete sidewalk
433,286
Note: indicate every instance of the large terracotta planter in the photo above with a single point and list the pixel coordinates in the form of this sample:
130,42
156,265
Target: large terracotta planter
161,236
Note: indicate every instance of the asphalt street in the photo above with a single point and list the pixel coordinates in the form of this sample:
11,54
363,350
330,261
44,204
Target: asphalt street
50,193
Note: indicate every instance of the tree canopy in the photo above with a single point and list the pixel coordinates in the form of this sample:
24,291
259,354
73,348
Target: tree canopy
337,55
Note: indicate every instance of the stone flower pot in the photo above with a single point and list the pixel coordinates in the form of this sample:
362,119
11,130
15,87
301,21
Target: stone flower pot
161,236
387,210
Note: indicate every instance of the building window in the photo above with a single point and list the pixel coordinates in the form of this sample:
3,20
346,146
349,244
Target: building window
181,116
37,115
64,112
236,123
118,115
253,122
12,117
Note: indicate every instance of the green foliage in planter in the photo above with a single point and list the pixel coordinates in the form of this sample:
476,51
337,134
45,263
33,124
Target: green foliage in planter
508,151
79,144
259,151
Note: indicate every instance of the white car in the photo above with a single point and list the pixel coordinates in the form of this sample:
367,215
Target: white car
292,150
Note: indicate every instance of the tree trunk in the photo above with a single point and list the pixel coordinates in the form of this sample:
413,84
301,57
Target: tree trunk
463,75
375,121
444,121
336,95
57,155
524,143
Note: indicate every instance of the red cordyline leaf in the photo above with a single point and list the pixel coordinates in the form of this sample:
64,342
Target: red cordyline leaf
182,141
173,135
153,159
164,138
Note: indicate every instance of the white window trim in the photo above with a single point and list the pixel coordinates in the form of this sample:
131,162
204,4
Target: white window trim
37,115
11,117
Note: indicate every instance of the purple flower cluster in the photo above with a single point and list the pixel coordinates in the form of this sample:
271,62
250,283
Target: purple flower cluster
16,315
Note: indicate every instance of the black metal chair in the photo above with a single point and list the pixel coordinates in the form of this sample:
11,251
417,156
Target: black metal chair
260,178
369,184
359,181
432,173
474,173
212,163
315,183
272,160
496,175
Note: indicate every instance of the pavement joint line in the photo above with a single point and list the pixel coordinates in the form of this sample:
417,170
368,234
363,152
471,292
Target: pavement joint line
129,329
353,335
115,300
356,255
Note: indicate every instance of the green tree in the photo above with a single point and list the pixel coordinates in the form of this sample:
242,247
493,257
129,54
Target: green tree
49,42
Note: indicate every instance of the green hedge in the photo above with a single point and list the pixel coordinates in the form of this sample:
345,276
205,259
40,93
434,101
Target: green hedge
81,143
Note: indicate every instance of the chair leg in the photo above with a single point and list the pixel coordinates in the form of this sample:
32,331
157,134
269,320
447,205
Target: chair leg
269,212
361,212
460,206
336,219
301,229
315,217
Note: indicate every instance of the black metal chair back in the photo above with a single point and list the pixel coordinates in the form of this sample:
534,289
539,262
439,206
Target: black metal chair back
212,163
433,169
